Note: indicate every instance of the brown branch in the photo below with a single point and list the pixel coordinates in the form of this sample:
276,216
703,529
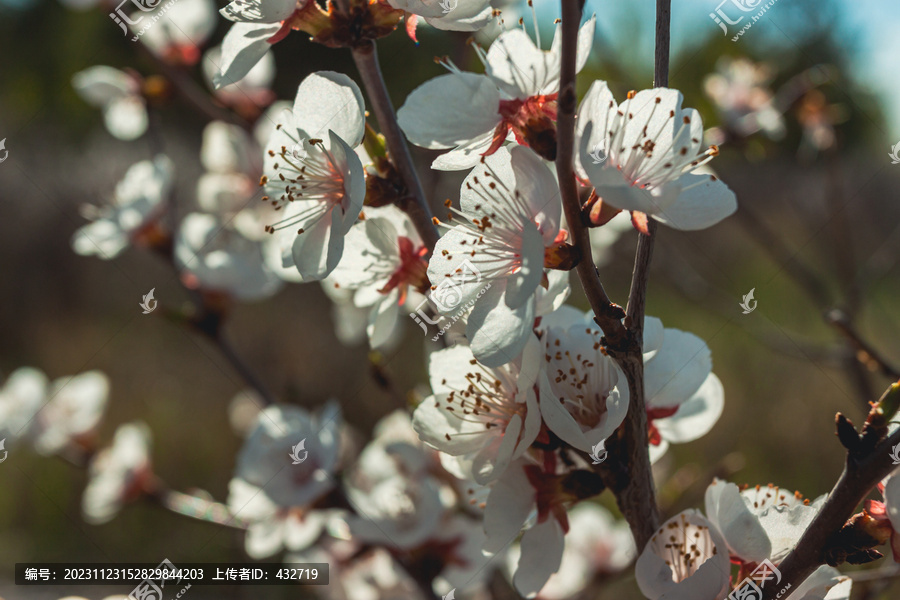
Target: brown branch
631,480
416,207
864,468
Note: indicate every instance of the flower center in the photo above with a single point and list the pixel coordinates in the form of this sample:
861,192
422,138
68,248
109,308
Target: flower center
655,438
532,121
412,270
310,178
684,546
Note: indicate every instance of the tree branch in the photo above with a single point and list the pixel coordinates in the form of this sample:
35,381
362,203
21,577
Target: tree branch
862,472
366,58
632,482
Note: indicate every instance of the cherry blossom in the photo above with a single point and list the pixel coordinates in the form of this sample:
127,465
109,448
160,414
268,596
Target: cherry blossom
177,32
686,559
118,474
887,512
739,89
253,91
587,396
652,148
384,264
762,522
21,397
596,544
454,15
684,398
493,252
312,174
72,413
215,258
264,465
132,215
118,95
489,413
473,115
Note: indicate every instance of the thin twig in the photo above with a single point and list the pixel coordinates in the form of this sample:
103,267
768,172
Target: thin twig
191,92
842,323
241,367
366,58
198,508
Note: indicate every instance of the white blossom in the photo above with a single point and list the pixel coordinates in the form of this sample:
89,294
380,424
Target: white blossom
313,175
118,95
132,214
118,474
473,115
493,253
686,559
652,147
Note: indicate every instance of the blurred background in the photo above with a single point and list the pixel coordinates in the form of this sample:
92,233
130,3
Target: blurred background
818,228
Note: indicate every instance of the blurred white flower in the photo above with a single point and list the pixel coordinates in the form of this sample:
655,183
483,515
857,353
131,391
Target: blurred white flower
384,264
396,511
489,413
473,115
118,474
72,413
739,89
686,559
133,213
375,576
684,398
215,258
313,174
180,31
249,95
118,95
264,465
587,395
493,253
21,397
653,152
